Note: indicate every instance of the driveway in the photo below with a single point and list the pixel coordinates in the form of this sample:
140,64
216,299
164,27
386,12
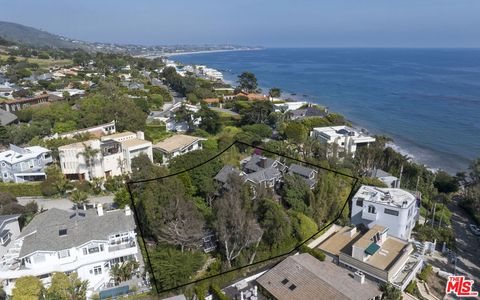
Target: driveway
62,203
468,246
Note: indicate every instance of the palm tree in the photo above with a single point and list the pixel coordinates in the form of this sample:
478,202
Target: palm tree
89,154
79,198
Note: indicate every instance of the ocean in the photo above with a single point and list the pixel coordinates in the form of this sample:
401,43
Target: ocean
427,100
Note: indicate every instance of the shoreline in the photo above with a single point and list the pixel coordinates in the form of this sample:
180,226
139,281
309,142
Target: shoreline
172,54
394,144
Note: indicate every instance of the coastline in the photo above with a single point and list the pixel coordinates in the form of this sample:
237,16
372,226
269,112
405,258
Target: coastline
422,153
172,54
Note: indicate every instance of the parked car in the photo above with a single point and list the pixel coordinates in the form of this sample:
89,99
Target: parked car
475,229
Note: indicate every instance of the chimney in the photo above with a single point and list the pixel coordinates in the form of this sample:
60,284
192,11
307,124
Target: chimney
100,209
140,135
359,276
128,211
263,162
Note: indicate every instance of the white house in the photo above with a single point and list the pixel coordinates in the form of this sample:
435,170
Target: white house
89,243
393,208
24,164
177,145
9,231
343,139
114,154
96,131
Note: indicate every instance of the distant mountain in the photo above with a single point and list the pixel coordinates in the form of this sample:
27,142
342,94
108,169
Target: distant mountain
30,36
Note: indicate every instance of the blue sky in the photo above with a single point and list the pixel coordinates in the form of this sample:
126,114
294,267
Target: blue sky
270,23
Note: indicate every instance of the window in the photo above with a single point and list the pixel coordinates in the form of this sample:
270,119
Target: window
391,212
97,270
371,209
360,202
63,253
93,250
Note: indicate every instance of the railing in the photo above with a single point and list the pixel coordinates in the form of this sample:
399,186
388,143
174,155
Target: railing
121,246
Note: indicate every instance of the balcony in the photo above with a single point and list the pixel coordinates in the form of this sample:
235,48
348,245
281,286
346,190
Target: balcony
127,245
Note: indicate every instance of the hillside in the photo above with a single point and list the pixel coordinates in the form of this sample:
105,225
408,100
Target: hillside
26,35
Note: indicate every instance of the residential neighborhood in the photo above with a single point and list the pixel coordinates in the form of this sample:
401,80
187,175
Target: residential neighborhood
126,176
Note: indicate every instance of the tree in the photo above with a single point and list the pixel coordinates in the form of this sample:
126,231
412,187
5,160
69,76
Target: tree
122,197
55,183
390,292
4,138
67,287
27,288
123,271
296,132
297,194
235,226
275,92
445,183
183,224
275,223
90,155
247,82
210,121
257,113
79,198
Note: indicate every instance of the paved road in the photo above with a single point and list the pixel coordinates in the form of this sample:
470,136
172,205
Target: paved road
62,203
468,246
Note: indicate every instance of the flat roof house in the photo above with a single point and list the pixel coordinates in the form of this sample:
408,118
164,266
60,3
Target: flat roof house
394,208
89,242
24,164
178,145
305,277
343,139
114,156
374,252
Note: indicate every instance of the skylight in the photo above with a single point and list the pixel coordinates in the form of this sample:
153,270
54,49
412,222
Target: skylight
62,232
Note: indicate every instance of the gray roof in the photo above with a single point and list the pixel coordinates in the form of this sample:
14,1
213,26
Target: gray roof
305,277
224,174
307,112
7,218
263,175
254,164
177,297
379,173
42,233
6,117
301,170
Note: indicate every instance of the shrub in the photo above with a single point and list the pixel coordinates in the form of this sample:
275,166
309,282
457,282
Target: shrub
318,254
217,293
21,189
425,273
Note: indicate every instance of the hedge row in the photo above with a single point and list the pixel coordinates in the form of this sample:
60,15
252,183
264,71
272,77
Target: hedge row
318,254
21,189
217,293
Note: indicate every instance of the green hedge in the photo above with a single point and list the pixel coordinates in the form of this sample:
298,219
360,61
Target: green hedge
217,293
318,254
21,189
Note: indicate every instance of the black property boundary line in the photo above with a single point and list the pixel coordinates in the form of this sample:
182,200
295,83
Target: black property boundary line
130,183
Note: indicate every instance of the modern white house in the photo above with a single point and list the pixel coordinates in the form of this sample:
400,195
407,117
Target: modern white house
373,253
178,145
114,154
9,231
88,242
95,131
24,164
393,208
342,139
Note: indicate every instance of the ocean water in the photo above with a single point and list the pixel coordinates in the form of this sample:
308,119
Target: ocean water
427,100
